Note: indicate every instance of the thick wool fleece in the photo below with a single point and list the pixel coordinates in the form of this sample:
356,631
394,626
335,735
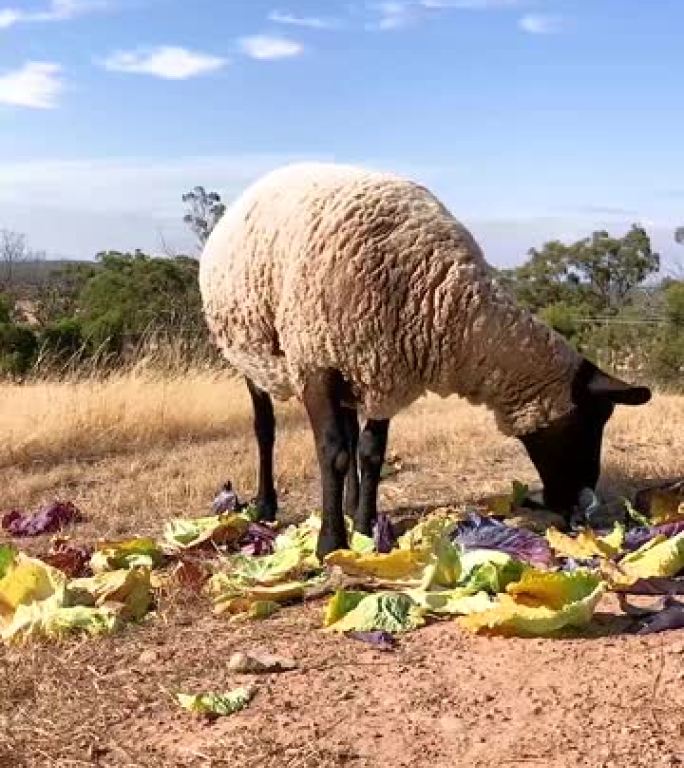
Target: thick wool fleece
325,266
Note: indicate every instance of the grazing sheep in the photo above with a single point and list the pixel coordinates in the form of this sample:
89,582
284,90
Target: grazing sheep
351,289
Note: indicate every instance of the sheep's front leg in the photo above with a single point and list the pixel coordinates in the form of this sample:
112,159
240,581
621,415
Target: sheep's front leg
351,491
322,401
372,447
264,428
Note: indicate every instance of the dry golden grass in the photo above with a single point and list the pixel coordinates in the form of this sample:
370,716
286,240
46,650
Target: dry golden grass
138,447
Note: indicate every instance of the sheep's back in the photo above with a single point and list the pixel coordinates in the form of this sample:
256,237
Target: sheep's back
329,266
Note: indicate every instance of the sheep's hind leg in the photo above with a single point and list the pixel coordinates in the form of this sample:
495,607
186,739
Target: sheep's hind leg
322,400
372,447
351,492
264,427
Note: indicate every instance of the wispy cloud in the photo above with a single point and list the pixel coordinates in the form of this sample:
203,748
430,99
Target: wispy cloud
471,5
312,22
166,61
56,10
270,47
36,85
542,24
394,14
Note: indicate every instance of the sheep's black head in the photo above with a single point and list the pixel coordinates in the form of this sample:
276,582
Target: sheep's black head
567,453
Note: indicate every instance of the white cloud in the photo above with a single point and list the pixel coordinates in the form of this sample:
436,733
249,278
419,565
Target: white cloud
166,61
8,17
542,24
267,47
312,22
57,10
36,85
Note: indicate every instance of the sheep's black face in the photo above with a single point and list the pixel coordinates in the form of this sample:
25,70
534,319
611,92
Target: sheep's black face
567,454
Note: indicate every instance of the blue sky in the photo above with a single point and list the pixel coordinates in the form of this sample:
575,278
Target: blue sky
532,119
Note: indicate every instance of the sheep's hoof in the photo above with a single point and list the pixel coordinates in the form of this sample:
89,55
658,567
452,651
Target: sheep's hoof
330,541
267,510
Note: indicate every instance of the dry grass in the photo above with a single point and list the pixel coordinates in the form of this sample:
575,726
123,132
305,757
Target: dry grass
145,446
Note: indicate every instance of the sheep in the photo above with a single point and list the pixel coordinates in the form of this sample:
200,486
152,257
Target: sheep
355,290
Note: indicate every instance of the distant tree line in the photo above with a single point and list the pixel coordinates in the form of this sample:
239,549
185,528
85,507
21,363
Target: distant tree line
603,293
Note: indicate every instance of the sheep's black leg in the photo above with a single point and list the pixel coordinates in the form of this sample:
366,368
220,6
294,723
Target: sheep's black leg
372,447
264,428
322,401
351,495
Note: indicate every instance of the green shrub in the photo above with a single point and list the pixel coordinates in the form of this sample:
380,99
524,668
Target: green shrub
18,349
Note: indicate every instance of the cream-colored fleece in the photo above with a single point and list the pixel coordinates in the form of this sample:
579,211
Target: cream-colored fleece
326,266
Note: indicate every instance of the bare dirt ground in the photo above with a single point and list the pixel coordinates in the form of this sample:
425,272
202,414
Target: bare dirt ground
135,452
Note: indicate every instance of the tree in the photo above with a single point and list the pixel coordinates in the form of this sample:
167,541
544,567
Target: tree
595,274
613,266
667,361
13,250
679,235
545,278
205,210
132,294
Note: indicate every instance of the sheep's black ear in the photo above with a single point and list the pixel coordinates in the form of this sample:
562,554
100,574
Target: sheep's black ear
601,384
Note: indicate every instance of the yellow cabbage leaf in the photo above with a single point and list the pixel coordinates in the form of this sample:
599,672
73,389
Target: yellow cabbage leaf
660,557
586,544
540,604
397,565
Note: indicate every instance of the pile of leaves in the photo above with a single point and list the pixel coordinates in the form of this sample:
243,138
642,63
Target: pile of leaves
487,569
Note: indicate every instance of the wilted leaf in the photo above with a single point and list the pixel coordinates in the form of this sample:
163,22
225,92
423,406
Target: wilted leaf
258,540
540,604
263,609
661,504
226,500
388,611
384,537
478,532
586,544
659,557
218,529
637,537
379,639
429,530
654,586
129,553
233,595
130,588
340,604
48,519
216,703
50,621
671,617
27,581
398,565
268,569
458,602
71,559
